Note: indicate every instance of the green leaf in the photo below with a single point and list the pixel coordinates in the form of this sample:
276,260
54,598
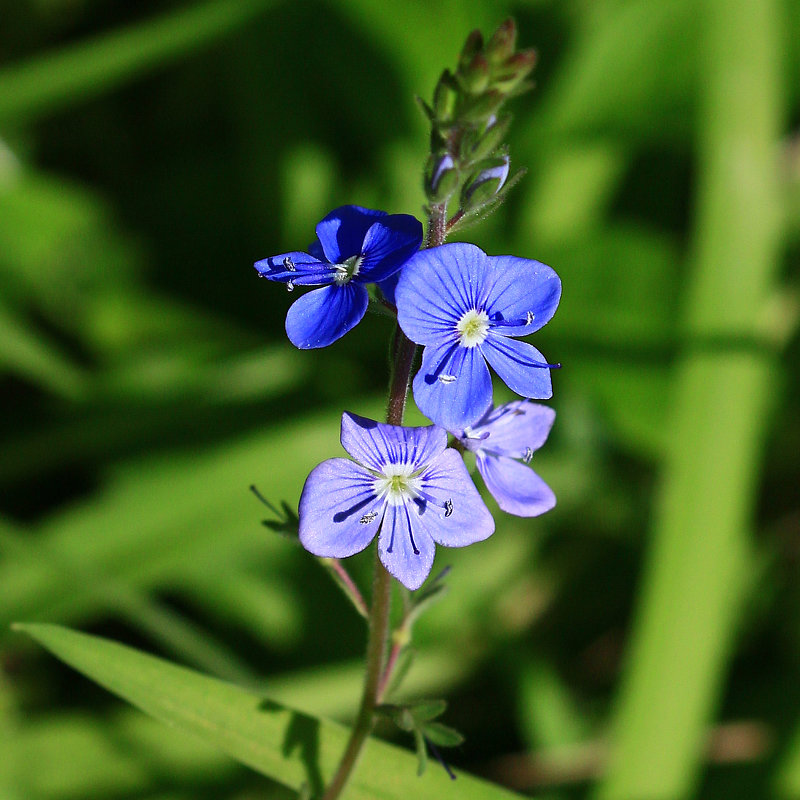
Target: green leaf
428,710
443,735
422,752
285,745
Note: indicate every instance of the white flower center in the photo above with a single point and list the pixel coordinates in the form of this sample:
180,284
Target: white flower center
472,327
397,484
347,270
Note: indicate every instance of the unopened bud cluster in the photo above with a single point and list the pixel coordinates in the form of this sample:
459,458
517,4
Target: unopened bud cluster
469,162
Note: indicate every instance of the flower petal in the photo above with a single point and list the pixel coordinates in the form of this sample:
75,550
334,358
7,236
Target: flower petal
341,233
454,514
453,387
339,511
436,287
515,429
321,317
517,488
406,554
387,245
374,444
520,365
520,290
308,271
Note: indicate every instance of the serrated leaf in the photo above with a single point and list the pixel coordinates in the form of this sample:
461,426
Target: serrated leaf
285,745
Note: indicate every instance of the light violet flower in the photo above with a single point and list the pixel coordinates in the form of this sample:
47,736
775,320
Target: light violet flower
504,441
405,485
466,308
354,246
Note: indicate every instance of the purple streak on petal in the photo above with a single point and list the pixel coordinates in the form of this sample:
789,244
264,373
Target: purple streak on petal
520,365
407,555
341,233
436,287
387,245
453,387
374,444
336,497
308,271
321,317
454,514
517,488
514,429
522,289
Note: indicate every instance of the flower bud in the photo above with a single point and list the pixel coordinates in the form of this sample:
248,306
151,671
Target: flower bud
445,96
501,46
515,70
486,184
472,47
474,78
441,177
487,143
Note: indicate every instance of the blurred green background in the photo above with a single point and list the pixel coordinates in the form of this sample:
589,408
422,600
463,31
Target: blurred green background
640,641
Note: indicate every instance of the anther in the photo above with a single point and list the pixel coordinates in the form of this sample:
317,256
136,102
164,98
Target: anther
367,518
289,264
290,285
448,508
529,317
447,379
528,455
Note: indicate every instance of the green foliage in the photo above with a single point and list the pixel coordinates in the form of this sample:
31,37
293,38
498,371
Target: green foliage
148,155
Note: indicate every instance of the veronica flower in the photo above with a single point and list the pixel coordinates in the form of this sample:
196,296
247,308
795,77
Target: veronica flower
405,485
504,441
354,246
465,307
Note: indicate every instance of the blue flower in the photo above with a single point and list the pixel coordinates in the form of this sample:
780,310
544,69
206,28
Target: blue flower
465,307
501,439
405,483
354,246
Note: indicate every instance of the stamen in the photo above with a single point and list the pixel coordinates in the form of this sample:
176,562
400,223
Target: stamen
367,518
529,317
528,455
289,264
447,379
290,285
448,508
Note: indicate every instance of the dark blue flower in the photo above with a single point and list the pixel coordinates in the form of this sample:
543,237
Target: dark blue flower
504,441
405,483
466,307
354,246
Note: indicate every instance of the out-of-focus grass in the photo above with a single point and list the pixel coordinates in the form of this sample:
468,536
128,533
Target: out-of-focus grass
149,154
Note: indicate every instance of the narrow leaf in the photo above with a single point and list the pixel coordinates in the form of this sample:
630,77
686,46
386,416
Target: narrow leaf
283,744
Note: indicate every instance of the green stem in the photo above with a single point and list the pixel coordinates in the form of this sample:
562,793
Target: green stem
376,674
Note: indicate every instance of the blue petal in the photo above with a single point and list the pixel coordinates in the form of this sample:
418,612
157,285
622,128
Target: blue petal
408,555
517,488
524,295
387,245
515,429
375,444
308,271
436,287
342,232
453,387
453,513
520,365
321,317
339,511
389,286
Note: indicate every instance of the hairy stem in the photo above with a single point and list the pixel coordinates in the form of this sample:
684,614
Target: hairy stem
377,671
